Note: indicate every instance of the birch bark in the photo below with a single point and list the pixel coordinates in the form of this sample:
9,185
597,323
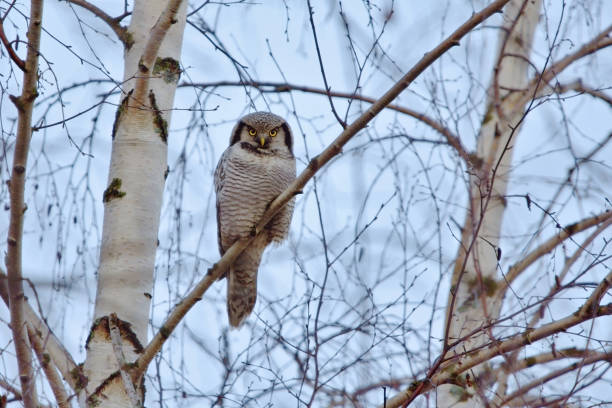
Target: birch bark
133,198
472,301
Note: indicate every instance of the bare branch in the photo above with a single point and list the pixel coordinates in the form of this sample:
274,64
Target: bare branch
113,22
579,87
568,263
555,356
10,388
555,374
584,159
277,87
592,303
566,232
602,40
61,397
51,345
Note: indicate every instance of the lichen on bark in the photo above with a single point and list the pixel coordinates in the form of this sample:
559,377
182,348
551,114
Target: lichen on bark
113,191
168,68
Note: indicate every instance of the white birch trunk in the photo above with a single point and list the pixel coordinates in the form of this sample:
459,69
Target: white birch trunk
133,199
475,304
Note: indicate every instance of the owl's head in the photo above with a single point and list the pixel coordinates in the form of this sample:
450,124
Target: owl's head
264,131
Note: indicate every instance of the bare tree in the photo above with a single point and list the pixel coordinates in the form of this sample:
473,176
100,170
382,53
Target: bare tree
449,246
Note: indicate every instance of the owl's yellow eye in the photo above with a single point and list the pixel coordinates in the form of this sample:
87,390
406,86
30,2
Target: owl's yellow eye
273,132
252,132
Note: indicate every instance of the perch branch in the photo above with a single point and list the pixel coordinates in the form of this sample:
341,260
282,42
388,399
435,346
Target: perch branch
314,165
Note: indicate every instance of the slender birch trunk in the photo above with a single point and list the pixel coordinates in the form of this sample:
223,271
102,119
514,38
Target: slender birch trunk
132,201
472,303
18,208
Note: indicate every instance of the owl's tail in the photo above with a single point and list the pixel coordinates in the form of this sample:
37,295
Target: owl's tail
242,284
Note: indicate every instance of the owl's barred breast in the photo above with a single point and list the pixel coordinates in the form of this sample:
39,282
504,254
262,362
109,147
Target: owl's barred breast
251,181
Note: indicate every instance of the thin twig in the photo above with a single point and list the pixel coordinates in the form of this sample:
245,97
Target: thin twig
578,87
11,52
327,87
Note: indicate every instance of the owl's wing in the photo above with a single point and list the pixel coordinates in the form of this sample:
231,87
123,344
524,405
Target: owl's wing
219,180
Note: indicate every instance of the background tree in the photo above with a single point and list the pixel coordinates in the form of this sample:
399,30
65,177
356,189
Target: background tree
449,243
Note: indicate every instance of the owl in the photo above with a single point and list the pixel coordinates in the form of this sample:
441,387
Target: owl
257,166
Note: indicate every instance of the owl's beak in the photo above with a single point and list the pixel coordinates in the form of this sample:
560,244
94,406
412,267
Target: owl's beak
262,141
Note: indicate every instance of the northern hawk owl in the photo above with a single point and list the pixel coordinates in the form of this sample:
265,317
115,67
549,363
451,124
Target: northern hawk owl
256,167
